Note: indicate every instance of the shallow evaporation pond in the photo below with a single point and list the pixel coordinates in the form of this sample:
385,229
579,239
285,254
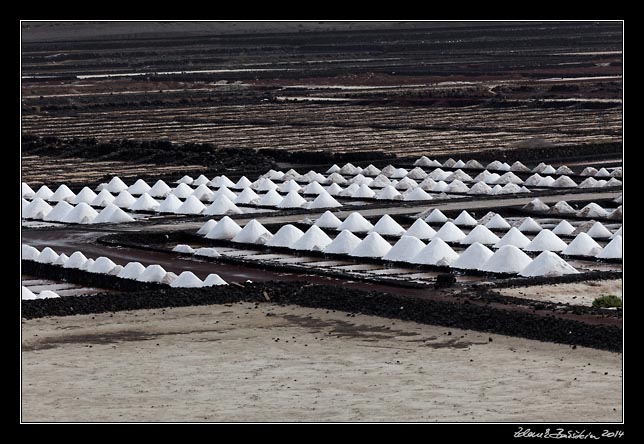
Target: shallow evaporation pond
262,257
359,267
297,260
394,271
238,253
329,263
583,266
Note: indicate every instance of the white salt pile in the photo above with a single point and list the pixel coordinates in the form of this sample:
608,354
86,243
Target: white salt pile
252,233
290,174
529,225
344,243
509,177
437,252
511,188
421,230
206,227
589,171
497,189
102,199
507,259
363,191
182,191
562,207
617,233
23,204
480,188
582,245
116,270
185,179
406,183
361,180
221,206
159,189
29,253
47,294
243,182
139,187
416,194
191,205
491,178
591,182
247,196
26,191
43,193
473,164
274,175
473,257
102,265
153,273
27,294
599,231
288,186
459,175
457,187
264,184
187,279
336,178
386,225
206,252
549,169
592,210
333,169
563,228
270,199
224,191
564,182
59,212
536,205
371,171
405,249
286,236
494,165
201,180
519,167
480,234
422,161
441,186
76,260
449,163
436,217
438,174
497,222
124,200
131,271
465,220
81,214
47,256
450,233
612,250
399,173
292,200
546,240
170,204
371,246
225,229
548,264
144,203
203,193
348,169
389,192
324,200
112,214
613,183
62,193
328,220
416,173
85,195
380,181
62,258
313,240
313,188
212,280
221,181
547,181
617,172
116,185
513,237
88,263
355,223
533,180
563,169
183,248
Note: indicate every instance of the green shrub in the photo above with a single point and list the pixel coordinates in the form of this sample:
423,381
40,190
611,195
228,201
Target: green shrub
607,301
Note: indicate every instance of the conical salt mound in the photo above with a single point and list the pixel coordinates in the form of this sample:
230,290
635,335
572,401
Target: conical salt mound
509,177
76,260
529,225
102,199
183,248
405,249
59,212
225,229
253,233
519,167
201,180
112,214
203,193
363,191
26,191
533,180
47,256
507,259
564,182
371,246
386,225
582,245
81,214
548,264
43,193
612,250
264,184
285,237
23,204
591,182
513,237
457,187
465,220
116,185
480,234
380,181
348,169
473,165
153,273
536,205
617,233
450,233
334,169
546,240
459,175
206,252
27,294
389,192
139,187
563,228
350,190
617,214
324,200
205,228
562,207
497,223
549,169
405,184
613,182
589,171
47,294
29,253
355,223
131,271
336,179
169,205
242,183
313,188
85,195
599,231
328,220
221,181
185,179
270,199
159,189
344,243
248,196
422,161
416,173
439,174
416,194
313,240
213,279
187,279
192,205
144,203
292,200
124,200
222,205
473,257
421,230
480,188
437,251
399,173
546,182
182,191
102,265
288,186
436,216
592,210
61,259
62,193
371,171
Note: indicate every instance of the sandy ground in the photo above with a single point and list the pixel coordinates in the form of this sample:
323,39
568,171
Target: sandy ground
225,363
578,293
